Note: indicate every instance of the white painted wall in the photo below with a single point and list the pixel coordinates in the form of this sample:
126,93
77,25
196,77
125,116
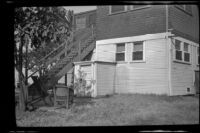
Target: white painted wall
183,75
148,76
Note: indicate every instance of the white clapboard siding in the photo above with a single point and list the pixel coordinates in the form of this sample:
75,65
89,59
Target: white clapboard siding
150,76
105,78
183,75
105,52
182,78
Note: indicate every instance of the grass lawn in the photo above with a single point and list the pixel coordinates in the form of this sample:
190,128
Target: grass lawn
122,109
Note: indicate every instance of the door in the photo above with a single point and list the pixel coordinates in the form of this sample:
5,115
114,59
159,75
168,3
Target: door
196,82
85,84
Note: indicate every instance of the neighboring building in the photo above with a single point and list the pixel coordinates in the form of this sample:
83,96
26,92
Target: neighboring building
142,49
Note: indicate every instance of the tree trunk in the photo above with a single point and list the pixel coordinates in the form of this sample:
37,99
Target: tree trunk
22,98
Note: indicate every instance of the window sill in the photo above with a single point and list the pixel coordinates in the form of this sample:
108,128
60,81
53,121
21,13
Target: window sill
182,62
138,61
121,62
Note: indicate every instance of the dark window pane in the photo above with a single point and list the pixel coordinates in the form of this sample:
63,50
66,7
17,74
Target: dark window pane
187,57
120,47
138,46
198,60
186,45
188,8
120,57
117,9
177,44
198,51
138,55
178,55
92,19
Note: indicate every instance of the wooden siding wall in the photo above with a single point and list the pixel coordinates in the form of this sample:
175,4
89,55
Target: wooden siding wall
183,75
106,52
150,76
184,23
105,78
132,23
145,77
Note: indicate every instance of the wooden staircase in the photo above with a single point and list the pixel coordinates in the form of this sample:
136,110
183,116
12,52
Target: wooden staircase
82,44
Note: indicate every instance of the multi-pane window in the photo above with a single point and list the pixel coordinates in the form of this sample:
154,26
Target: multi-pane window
115,9
120,52
80,23
186,52
182,51
198,55
137,51
178,52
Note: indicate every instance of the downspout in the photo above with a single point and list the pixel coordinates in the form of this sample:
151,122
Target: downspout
169,52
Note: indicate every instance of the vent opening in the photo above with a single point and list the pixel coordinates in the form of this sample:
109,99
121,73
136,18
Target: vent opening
188,89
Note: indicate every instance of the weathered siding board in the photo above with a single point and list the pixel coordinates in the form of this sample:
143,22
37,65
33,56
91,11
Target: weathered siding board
182,78
105,78
106,52
185,23
150,76
183,75
144,21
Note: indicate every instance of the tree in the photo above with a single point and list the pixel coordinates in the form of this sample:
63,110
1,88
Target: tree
37,30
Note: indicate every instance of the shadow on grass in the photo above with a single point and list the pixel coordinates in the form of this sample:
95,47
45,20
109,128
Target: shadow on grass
80,101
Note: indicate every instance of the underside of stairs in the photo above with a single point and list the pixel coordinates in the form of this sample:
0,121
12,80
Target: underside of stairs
82,44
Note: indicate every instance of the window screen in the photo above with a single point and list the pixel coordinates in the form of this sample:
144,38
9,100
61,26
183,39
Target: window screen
137,51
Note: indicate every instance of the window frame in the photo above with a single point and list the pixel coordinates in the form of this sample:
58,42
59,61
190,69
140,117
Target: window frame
110,8
182,52
126,9
124,52
197,56
188,52
85,19
143,52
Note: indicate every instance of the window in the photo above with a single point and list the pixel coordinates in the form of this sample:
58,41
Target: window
198,56
137,51
186,52
120,53
182,51
115,9
80,23
178,51
186,8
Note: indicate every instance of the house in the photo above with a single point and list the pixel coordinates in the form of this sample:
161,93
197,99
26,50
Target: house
149,49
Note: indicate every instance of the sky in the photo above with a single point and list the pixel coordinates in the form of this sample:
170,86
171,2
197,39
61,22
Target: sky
78,9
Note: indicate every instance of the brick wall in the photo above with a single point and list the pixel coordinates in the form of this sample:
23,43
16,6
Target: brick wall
184,24
131,23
